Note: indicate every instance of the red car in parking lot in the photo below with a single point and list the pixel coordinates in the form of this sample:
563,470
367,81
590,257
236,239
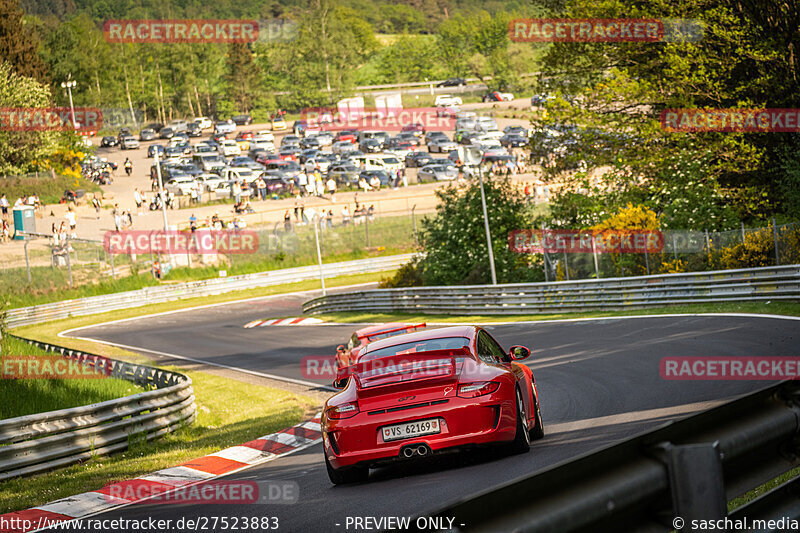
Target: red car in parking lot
425,393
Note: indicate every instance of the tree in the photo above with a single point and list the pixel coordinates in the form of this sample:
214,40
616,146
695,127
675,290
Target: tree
18,45
242,76
454,240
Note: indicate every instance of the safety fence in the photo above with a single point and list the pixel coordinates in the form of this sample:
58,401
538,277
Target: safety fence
165,293
678,477
742,285
35,443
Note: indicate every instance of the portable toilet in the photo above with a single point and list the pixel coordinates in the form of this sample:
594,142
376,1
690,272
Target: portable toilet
24,220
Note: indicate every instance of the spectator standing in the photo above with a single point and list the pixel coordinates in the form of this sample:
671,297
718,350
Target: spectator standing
96,204
329,218
345,216
287,222
117,218
157,269
4,205
137,197
193,223
320,185
262,187
200,187
297,208
5,231
193,195
371,213
237,192
332,189
71,220
302,181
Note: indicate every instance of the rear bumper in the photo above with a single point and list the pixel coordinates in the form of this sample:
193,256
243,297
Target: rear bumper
464,422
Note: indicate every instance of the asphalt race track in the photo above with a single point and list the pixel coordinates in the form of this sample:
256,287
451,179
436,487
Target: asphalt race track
598,381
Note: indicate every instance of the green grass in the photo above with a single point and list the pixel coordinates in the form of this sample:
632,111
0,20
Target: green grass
49,190
19,397
777,308
229,412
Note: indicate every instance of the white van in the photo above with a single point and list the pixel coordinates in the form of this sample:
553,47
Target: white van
447,100
387,162
484,124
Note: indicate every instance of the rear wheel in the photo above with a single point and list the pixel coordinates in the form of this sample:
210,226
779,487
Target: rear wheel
537,432
522,439
354,474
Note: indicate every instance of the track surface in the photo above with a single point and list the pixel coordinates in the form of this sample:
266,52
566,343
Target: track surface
598,381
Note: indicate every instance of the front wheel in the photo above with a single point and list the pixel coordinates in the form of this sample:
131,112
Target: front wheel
353,474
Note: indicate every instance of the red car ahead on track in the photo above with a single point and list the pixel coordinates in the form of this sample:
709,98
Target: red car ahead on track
426,392
347,354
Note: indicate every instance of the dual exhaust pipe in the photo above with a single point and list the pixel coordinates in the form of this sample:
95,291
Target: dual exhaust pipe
410,451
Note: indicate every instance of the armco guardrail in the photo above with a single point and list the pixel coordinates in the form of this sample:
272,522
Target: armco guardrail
661,480
747,285
165,293
35,443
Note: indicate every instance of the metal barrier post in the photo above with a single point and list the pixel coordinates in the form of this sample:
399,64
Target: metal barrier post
27,262
113,272
69,263
414,221
596,265
708,246
775,238
566,265
646,260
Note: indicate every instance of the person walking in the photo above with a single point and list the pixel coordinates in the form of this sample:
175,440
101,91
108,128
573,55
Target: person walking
137,197
96,204
4,205
332,189
72,221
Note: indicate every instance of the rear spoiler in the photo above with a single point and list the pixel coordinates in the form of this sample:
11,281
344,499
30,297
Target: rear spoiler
383,332
395,369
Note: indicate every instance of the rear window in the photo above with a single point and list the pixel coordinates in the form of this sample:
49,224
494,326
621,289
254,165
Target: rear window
426,345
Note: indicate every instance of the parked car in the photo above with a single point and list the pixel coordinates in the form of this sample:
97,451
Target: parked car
204,148
346,135
452,82
147,135
433,135
418,159
342,147
242,120
243,161
193,129
497,96
290,139
264,135
437,173
278,124
447,100
513,141
210,162
224,126
166,133
155,126
309,141
108,141
182,185
129,142
325,138
370,146
209,181
153,148
228,148
516,130
541,99
344,173
382,176
409,137
204,122
441,145
494,401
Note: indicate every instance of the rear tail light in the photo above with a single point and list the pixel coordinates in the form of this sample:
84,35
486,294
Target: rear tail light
346,410
479,388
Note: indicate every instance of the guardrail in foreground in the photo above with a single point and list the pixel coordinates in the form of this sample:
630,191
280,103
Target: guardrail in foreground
744,285
35,443
165,293
688,469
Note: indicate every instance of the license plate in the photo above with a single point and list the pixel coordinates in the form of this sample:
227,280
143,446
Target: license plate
411,429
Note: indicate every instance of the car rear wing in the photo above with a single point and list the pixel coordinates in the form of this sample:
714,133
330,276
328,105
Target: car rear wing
412,327
409,367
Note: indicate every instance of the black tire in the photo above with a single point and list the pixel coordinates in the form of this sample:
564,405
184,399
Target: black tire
353,474
522,439
537,432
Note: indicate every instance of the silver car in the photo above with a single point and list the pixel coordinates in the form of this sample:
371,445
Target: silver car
129,142
441,145
437,173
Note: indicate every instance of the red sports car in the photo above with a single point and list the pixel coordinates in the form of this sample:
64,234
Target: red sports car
426,392
347,354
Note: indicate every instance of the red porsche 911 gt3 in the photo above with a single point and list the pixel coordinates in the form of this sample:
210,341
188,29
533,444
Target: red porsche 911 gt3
423,393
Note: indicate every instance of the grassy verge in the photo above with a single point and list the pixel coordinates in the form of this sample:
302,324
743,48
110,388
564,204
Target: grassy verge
49,190
782,308
229,412
20,397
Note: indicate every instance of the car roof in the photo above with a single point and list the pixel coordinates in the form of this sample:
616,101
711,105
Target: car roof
440,333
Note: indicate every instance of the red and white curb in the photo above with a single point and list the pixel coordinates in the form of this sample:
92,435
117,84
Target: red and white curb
227,461
291,321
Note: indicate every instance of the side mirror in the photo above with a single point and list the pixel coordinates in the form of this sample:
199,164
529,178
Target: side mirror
518,353
340,348
339,383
